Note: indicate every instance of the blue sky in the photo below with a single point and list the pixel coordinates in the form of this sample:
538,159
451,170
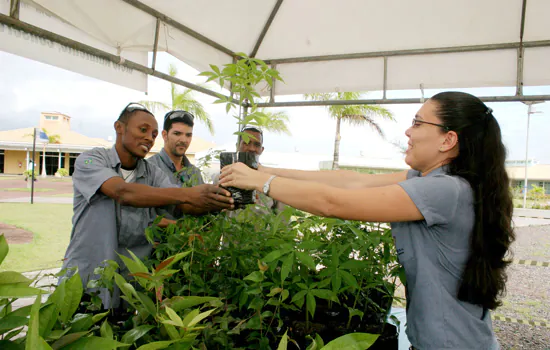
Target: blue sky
29,87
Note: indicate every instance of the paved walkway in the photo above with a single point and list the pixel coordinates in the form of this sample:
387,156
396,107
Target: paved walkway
53,200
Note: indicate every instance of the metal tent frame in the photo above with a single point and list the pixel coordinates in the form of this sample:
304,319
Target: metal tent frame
13,21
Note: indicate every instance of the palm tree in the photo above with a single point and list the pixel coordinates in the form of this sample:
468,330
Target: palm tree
358,115
275,122
184,100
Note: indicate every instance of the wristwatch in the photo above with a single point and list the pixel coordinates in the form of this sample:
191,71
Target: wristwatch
267,184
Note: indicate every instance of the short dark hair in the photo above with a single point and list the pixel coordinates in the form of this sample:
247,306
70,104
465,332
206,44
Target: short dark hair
178,116
130,109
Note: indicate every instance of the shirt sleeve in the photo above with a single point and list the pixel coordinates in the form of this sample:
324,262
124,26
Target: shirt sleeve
91,170
161,180
436,197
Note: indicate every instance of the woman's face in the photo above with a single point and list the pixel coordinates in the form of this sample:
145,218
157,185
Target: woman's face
428,143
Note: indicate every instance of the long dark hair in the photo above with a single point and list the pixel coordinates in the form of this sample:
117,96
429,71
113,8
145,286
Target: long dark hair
481,162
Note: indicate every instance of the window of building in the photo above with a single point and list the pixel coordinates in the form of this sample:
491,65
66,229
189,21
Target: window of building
1,161
52,117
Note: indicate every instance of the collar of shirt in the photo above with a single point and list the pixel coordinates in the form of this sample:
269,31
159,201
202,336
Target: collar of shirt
115,163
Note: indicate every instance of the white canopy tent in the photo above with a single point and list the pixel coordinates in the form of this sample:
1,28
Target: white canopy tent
317,45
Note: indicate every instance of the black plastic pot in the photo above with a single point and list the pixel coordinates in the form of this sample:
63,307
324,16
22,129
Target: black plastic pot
241,197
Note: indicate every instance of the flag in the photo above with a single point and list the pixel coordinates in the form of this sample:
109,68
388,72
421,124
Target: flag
41,136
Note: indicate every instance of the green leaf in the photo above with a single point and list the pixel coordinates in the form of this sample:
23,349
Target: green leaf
287,266
174,317
48,318
17,291
349,279
336,281
354,264
215,68
134,334
134,265
58,333
11,322
352,341
255,276
106,331
12,334
200,317
81,323
9,277
94,343
306,260
182,303
310,245
311,304
34,341
4,249
157,345
147,302
24,311
67,297
274,255
98,317
323,294
283,344
298,298
68,339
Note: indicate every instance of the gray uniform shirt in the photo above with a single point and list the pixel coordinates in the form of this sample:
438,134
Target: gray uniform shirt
188,176
102,227
434,252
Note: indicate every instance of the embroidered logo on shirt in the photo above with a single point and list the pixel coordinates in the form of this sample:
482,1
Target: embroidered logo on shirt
88,161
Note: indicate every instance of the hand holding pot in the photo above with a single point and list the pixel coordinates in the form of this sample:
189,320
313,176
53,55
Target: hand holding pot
241,176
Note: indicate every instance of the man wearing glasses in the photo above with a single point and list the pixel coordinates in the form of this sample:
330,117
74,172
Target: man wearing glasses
177,134
117,194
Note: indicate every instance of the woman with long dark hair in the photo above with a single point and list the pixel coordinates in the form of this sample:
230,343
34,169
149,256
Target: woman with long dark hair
450,214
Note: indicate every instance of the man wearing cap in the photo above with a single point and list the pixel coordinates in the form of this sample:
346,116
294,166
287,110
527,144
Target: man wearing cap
255,145
177,134
117,194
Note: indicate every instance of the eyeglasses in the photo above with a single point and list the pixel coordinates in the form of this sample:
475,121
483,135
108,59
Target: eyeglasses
416,121
178,115
133,106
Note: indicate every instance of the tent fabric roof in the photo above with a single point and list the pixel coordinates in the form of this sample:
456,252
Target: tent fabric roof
395,44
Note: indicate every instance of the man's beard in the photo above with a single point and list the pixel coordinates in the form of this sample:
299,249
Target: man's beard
176,153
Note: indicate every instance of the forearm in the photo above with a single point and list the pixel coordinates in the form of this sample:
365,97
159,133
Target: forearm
339,178
139,195
313,197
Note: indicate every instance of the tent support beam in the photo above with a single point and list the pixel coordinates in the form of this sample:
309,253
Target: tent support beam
155,48
437,50
521,51
385,78
390,101
178,25
272,90
28,28
266,28
14,8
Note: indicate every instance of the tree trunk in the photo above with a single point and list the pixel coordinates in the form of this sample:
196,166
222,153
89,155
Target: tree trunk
336,158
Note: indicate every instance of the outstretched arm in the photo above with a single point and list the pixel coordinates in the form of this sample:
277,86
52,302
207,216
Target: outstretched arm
339,178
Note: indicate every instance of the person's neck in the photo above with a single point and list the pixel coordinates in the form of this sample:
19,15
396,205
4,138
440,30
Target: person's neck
127,161
175,159
435,166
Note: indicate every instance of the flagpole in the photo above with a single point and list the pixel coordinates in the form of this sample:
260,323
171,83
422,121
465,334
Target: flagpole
32,172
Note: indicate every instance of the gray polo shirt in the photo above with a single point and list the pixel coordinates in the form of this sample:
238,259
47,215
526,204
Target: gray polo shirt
434,252
101,226
188,176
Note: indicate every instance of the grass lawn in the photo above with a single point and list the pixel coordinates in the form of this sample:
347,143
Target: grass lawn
24,189
10,177
51,226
